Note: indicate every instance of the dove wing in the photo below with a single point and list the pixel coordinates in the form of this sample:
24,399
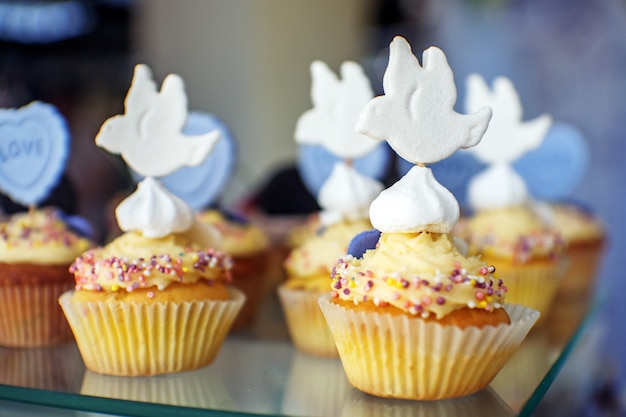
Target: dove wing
169,112
506,97
324,85
142,91
436,68
402,67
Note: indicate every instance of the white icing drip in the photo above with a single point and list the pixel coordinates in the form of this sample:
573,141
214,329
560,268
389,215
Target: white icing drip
417,202
346,194
153,211
497,186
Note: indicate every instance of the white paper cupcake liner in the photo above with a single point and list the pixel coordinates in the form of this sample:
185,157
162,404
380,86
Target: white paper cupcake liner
306,323
30,315
140,339
400,357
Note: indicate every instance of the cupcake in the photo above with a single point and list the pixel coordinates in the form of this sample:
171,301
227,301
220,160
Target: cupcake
308,269
585,238
506,227
412,316
343,197
249,248
39,241
156,299
36,249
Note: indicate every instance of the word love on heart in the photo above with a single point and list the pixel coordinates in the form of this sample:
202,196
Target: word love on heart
34,144
16,149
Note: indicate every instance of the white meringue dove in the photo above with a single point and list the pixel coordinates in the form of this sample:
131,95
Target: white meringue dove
337,104
416,115
148,135
507,137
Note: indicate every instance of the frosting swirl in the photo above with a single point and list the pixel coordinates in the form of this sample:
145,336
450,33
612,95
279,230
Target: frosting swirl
309,265
417,202
346,194
147,262
39,237
419,273
154,211
516,233
236,238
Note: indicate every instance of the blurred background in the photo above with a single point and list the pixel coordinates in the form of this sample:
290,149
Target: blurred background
247,62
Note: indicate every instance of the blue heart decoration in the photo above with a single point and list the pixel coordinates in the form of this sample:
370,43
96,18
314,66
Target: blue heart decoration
315,164
78,225
453,172
34,146
200,185
362,242
553,170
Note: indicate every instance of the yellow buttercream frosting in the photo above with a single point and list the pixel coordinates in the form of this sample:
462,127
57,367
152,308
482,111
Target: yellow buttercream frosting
308,265
575,224
420,273
134,261
237,238
515,232
39,237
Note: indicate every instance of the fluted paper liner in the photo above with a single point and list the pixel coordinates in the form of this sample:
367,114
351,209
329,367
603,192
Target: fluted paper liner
400,357
582,271
141,339
30,315
532,284
306,323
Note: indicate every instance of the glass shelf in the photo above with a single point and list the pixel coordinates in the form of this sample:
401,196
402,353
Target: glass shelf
259,372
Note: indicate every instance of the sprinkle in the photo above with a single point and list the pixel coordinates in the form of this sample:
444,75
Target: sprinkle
441,300
346,291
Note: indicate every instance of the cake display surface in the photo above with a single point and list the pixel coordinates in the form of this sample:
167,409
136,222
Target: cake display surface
262,372
413,317
156,299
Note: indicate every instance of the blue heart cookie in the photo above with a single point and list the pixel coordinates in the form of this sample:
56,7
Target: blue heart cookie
34,146
553,170
315,164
